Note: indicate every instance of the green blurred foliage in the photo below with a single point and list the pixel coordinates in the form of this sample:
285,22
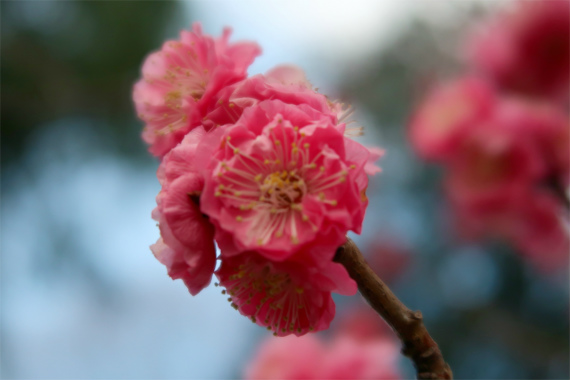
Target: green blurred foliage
66,59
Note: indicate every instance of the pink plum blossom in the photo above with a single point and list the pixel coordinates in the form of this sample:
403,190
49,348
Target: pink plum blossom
497,160
307,357
180,84
186,246
541,231
286,83
288,297
284,177
507,176
449,111
526,48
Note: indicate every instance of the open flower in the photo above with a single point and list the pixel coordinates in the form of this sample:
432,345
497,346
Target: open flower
186,246
181,81
282,178
288,297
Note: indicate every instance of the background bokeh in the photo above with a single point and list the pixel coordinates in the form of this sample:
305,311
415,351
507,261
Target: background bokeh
81,294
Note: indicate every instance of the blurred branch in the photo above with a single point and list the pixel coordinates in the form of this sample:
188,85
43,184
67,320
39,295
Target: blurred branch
418,344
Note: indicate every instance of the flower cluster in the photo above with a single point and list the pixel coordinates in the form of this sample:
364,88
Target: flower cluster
503,134
359,349
260,166
525,48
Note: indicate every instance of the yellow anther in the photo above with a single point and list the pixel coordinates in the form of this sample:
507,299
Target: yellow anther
299,290
237,193
232,105
239,218
342,179
236,151
260,241
228,138
277,162
322,168
322,196
273,211
295,128
305,218
217,194
266,162
294,239
306,145
277,142
334,202
353,166
278,234
258,178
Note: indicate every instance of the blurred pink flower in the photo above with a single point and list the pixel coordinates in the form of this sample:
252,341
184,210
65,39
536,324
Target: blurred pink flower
526,48
293,358
438,125
388,257
507,178
181,83
362,323
186,246
498,160
288,297
541,231
284,177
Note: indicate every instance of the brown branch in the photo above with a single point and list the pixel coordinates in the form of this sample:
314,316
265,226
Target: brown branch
418,345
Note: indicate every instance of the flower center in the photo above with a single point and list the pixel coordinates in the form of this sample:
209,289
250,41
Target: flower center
283,188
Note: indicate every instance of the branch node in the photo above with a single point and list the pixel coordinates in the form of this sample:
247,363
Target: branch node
429,352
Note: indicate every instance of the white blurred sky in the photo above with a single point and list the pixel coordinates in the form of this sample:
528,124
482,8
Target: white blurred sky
322,36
